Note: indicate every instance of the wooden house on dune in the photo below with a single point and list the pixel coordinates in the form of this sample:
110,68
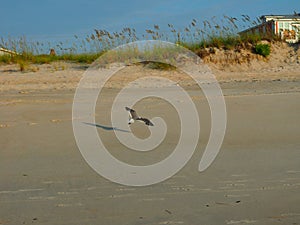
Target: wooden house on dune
287,27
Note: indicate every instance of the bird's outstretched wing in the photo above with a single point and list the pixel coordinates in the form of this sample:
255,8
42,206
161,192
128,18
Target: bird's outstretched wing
134,116
132,113
146,121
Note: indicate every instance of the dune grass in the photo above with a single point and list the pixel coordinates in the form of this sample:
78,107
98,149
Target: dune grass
220,33
46,59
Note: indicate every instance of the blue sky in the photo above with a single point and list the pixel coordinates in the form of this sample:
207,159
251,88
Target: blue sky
56,19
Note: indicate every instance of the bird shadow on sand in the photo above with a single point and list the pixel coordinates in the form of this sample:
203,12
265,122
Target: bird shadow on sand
106,127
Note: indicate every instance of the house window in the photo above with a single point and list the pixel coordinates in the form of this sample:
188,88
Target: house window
286,25
280,25
295,28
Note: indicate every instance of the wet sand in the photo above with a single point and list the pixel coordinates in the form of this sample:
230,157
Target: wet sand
255,179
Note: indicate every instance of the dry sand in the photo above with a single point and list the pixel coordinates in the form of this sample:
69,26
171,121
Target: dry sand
254,180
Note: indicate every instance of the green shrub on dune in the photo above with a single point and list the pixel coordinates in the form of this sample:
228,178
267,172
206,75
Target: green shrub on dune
263,49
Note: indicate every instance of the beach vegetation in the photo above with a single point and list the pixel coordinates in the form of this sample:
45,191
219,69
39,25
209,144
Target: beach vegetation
263,49
201,37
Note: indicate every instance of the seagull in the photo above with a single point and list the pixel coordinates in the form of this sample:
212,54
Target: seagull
133,116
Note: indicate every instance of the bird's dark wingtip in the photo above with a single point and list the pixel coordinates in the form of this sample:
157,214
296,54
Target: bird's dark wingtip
150,124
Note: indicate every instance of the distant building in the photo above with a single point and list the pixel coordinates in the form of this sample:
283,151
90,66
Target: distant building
4,51
287,27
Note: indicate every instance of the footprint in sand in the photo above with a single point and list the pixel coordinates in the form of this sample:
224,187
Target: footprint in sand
23,92
55,120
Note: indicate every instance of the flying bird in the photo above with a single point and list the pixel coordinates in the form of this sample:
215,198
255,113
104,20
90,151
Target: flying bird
134,116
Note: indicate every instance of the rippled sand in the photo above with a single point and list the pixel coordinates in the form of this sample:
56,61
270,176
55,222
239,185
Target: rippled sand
255,179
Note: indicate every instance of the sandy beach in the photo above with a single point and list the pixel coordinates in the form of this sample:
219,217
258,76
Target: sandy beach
255,179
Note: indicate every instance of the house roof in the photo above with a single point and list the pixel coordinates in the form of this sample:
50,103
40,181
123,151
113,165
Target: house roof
4,50
295,16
